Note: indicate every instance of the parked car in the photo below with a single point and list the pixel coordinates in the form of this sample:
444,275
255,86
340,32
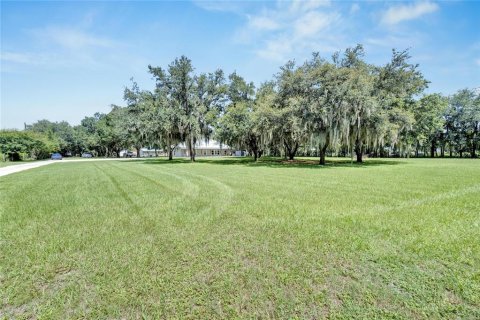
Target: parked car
57,156
87,155
129,154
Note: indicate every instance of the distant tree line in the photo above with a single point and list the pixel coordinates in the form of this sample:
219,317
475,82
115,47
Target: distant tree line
340,106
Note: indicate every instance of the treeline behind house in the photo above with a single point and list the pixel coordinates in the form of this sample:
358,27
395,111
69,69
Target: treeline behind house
342,105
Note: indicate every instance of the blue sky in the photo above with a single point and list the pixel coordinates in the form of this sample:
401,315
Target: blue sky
67,60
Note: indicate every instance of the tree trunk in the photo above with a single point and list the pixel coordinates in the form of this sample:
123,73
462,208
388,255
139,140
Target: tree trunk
191,148
358,150
138,151
287,150
190,153
359,157
169,146
474,142
432,149
442,145
291,151
323,151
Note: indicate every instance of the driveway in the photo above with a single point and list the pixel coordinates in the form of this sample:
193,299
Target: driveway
22,167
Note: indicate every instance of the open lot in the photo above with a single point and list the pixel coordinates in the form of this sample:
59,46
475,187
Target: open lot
233,239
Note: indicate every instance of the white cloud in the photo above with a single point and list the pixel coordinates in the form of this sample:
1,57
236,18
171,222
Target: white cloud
354,8
50,59
223,6
17,57
71,38
59,46
397,14
276,49
399,41
289,28
262,23
307,5
313,22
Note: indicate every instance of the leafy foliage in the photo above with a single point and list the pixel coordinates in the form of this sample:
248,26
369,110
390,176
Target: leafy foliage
17,145
343,106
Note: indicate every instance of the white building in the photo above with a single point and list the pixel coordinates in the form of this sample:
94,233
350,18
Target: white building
146,152
210,148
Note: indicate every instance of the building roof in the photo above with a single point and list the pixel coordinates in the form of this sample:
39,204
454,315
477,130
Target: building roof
211,145
202,144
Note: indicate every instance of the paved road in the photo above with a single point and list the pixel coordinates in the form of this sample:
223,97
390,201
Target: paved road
22,167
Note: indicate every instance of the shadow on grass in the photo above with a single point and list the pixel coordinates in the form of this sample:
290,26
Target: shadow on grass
310,163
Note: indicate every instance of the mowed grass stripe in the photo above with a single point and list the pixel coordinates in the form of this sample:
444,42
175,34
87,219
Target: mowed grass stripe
226,240
213,194
179,185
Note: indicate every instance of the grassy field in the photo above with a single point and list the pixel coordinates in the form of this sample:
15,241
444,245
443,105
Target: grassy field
232,239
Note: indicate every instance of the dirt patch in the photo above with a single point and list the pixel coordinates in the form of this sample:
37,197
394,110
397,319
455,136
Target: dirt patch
451,298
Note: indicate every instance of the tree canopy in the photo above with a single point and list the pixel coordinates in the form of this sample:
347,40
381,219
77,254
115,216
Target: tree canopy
340,105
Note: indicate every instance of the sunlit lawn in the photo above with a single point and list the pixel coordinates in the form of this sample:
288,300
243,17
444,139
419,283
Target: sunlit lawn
234,239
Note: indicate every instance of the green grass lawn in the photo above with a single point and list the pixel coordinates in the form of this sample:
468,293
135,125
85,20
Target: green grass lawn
232,239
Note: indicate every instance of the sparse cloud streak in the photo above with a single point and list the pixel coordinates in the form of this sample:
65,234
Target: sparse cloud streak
262,23
223,6
17,57
404,12
71,38
313,22
289,28
354,8
62,46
